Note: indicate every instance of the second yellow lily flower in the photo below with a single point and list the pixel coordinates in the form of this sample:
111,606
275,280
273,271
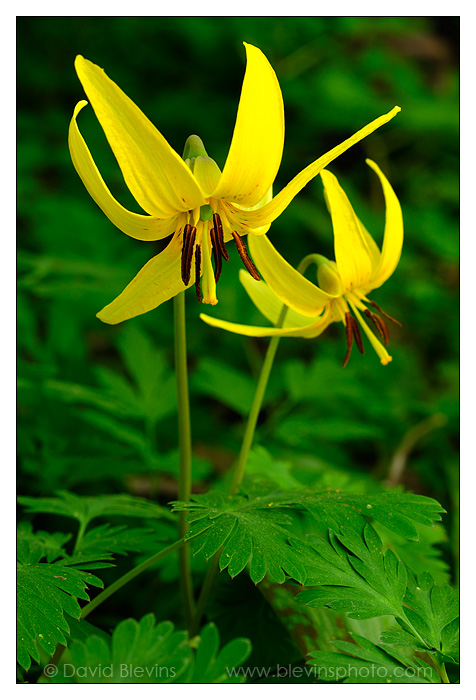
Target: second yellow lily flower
343,284
189,198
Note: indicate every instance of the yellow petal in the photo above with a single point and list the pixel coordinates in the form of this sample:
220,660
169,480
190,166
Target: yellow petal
288,284
352,254
258,139
271,211
393,236
155,174
373,248
207,173
268,303
310,331
158,281
144,228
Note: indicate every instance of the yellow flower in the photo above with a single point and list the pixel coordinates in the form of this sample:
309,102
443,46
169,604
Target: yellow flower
359,268
189,198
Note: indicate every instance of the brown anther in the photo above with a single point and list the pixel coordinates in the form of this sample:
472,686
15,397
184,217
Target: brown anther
198,259
348,337
247,262
357,336
188,241
393,320
216,254
379,324
220,236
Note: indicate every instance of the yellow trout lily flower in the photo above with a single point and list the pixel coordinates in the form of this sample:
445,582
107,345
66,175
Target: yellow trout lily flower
359,268
189,198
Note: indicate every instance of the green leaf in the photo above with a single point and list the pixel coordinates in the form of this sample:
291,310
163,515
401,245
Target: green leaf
148,367
250,532
45,592
396,510
86,508
212,664
147,652
49,545
355,575
253,528
118,539
139,652
366,662
433,612
69,392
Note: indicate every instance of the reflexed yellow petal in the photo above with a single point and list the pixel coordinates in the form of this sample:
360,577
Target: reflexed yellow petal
144,228
155,174
158,281
268,303
393,236
311,331
373,248
271,211
258,139
352,254
288,284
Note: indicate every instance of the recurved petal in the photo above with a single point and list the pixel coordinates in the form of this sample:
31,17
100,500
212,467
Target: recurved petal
271,211
310,331
158,281
157,177
144,228
393,235
288,284
352,253
269,304
258,138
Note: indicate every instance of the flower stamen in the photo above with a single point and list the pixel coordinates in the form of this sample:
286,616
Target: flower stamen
216,254
357,336
349,337
247,262
188,242
220,236
379,324
393,320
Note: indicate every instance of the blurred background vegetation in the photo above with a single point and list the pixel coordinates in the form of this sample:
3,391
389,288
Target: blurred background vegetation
97,411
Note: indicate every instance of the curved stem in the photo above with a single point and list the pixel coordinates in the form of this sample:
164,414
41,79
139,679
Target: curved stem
104,595
261,387
256,406
185,449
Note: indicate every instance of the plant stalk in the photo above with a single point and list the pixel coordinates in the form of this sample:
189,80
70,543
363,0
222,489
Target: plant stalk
104,595
185,450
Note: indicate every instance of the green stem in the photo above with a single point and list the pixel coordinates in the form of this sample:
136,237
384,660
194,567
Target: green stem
256,406
207,587
443,673
104,595
185,449
261,388
79,537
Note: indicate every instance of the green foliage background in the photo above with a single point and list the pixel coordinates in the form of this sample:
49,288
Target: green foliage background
96,403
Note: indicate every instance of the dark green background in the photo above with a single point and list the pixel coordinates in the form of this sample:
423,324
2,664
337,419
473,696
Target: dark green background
77,430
